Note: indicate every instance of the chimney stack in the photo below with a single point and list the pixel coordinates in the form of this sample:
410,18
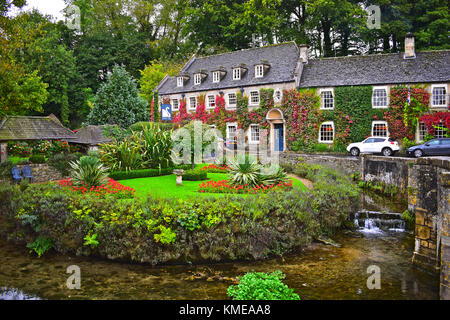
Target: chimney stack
410,52
304,53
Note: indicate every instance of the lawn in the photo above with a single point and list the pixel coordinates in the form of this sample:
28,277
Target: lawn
16,160
165,186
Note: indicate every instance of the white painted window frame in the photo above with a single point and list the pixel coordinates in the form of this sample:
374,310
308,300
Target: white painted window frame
197,79
208,104
253,104
236,73
321,99
439,85
380,122
216,76
173,105
229,105
250,140
334,132
259,71
190,104
180,82
231,124
386,88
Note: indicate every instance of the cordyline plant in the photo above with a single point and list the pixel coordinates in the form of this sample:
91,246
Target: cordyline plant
88,171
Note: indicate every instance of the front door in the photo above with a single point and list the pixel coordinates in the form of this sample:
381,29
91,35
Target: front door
278,136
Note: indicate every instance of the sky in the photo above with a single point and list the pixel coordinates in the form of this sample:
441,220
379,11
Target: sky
51,7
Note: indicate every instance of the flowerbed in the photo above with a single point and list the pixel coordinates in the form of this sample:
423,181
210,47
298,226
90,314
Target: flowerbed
223,186
212,168
113,188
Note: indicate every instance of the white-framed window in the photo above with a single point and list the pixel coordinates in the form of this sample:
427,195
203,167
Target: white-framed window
175,104
380,97
211,102
259,71
216,76
380,129
422,131
439,95
326,132
180,81
277,95
327,98
197,79
237,74
253,133
440,130
254,98
192,103
231,131
232,100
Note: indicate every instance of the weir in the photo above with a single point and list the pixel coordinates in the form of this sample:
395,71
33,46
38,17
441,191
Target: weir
426,181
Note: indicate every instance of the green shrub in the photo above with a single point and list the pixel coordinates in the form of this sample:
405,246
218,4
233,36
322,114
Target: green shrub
41,245
143,173
288,167
5,169
262,286
273,178
61,162
37,158
320,147
245,171
88,171
410,219
94,154
195,175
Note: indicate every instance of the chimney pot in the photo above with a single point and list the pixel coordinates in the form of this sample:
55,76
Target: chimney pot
304,53
410,52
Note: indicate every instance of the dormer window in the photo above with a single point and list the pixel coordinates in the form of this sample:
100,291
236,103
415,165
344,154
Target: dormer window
180,81
216,76
237,74
197,79
259,71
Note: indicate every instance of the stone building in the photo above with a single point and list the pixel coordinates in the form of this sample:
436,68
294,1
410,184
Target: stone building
288,66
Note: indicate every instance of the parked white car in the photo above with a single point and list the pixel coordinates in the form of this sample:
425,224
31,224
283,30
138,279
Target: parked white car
385,146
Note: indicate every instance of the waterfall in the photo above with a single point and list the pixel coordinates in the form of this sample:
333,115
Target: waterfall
378,222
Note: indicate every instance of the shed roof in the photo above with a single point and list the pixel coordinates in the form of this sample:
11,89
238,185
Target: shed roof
22,128
91,135
427,67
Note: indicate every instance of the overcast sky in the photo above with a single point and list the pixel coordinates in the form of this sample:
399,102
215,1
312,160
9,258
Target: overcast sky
51,7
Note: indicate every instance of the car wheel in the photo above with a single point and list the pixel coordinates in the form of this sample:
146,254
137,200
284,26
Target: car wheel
387,152
354,152
418,153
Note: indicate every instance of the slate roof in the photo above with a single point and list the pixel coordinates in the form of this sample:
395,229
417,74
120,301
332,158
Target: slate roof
90,135
281,57
429,66
22,128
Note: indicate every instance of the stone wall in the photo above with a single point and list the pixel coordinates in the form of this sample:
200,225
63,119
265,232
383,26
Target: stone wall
345,164
388,170
42,173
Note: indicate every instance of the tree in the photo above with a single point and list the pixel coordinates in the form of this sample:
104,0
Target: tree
118,101
152,75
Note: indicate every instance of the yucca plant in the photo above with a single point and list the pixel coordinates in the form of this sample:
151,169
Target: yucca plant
156,146
275,176
89,172
244,170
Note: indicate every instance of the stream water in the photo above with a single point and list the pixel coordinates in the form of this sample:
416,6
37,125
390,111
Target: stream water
318,271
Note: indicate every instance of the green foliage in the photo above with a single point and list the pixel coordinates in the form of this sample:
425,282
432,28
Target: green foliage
40,246
245,170
142,173
150,147
88,171
195,175
61,162
91,240
36,158
5,169
166,236
262,286
410,219
118,102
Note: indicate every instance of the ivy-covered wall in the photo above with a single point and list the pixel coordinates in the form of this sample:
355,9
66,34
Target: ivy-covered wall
352,115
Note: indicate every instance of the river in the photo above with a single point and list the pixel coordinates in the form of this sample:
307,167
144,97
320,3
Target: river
318,271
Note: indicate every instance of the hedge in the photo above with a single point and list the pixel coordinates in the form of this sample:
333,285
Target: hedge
143,173
37,158
195,175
